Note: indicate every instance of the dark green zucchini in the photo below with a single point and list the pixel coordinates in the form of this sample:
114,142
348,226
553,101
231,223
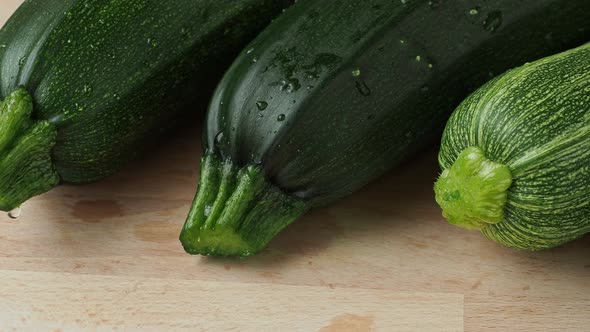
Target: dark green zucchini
105,77
334,93
516,155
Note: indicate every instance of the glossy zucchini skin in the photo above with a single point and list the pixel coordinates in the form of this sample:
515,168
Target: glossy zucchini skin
335,93
516,155
111,76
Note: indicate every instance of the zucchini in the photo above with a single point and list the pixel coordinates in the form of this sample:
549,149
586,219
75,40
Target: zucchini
334,93
86,84
516,155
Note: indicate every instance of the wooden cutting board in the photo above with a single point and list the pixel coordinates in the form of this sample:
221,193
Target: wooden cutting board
106,256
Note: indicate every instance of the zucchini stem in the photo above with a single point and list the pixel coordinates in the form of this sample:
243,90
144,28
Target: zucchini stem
26,168
474,191
236,211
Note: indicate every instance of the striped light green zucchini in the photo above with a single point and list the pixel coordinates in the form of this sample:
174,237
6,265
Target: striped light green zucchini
516,155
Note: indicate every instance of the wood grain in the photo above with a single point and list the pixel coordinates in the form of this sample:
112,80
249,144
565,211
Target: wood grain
106,256
70,301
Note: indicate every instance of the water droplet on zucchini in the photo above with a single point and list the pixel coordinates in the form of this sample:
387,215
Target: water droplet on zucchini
281,117
220,140
290,85
262,105
493,21
363,88
207,211
434,4
14,214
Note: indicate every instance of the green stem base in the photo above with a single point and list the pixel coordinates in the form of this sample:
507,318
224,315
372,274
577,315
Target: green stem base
474,191
236,211
26,168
